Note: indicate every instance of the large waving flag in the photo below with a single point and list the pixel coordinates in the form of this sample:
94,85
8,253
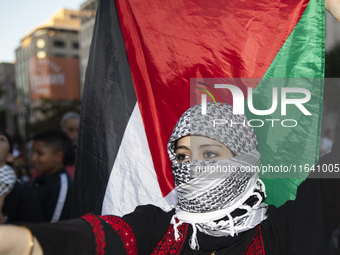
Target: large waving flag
143,55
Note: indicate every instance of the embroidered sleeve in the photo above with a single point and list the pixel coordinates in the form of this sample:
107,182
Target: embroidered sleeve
97,231
134,233
124,231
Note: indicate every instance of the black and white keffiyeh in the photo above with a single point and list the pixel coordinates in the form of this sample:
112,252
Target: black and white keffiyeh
7,179
210,191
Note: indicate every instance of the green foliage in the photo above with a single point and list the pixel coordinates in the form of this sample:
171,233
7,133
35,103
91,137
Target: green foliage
51,112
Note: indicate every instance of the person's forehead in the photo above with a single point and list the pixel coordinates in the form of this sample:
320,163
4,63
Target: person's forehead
71,121
195,140
202,139
41,145
2,135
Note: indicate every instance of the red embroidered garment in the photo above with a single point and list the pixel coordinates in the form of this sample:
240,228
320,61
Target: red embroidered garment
98,232
168,244
124,231
256,245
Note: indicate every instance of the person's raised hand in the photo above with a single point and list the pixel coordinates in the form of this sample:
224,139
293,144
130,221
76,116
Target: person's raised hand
333,6
18,240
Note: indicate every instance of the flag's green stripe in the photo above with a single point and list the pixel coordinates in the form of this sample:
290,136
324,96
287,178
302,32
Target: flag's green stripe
301,56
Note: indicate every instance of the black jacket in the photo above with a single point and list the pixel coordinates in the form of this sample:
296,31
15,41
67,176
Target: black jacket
49,189
22,205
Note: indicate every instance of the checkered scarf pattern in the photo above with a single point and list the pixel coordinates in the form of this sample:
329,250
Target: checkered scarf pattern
7,179
204,198
210,191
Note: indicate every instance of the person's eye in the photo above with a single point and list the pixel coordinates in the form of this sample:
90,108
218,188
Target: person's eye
210,155
182,156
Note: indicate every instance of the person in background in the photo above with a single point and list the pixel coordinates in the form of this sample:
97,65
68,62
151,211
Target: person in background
54,186
18,202
22,169
69,123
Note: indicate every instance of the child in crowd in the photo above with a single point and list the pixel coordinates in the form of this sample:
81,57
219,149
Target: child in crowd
18,202
54,186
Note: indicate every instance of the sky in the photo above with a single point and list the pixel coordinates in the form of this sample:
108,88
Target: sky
19,17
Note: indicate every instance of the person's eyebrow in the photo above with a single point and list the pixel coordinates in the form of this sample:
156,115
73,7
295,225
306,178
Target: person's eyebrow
182,147
210,145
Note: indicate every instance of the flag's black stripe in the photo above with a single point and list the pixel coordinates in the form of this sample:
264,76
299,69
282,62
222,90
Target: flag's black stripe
108,101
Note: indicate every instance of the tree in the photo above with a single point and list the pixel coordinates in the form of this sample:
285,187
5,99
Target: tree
49,113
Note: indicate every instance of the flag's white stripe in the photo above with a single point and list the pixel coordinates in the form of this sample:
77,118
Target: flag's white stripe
133,179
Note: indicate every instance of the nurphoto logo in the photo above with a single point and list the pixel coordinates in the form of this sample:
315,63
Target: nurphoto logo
239,99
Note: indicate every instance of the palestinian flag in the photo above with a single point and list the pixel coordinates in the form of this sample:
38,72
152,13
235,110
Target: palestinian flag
142,57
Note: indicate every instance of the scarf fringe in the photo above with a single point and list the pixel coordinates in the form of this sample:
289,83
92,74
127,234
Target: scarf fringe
193,242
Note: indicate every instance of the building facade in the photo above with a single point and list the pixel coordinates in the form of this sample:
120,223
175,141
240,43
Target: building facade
47,65
88,12
7,97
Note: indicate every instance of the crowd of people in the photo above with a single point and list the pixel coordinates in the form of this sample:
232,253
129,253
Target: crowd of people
36,184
